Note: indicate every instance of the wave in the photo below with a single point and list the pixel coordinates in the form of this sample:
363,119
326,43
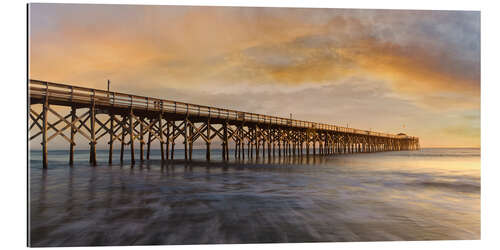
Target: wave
457,186
442,155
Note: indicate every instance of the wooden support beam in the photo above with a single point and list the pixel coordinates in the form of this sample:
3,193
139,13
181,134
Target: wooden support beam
35,119
102,126
59,131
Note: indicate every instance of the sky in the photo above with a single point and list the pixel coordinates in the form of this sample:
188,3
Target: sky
416,72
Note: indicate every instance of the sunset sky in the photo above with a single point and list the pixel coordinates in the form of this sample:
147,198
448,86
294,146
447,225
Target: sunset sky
416,72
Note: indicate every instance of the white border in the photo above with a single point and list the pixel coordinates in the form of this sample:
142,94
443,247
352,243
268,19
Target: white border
13,103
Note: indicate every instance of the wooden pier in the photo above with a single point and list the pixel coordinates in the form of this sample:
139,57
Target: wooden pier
130,120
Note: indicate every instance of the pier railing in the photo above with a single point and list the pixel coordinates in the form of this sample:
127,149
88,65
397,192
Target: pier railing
82,95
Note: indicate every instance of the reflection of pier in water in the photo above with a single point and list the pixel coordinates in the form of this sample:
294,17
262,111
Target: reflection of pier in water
129,119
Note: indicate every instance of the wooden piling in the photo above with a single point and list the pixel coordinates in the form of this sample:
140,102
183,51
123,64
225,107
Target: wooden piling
225,154
131,135
314,146
263,147
257,141
111,139
190,148
249,150
167,141
208,140
186,139
243,150
148,148
173,149
72,136
44,132
93,159
160,132
141,138
122,147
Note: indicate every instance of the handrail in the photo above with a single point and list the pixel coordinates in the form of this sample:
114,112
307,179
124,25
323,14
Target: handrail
115,99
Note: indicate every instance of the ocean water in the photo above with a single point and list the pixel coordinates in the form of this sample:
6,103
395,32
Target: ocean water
431,194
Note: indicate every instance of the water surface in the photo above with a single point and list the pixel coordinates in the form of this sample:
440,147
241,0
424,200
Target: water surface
432,194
